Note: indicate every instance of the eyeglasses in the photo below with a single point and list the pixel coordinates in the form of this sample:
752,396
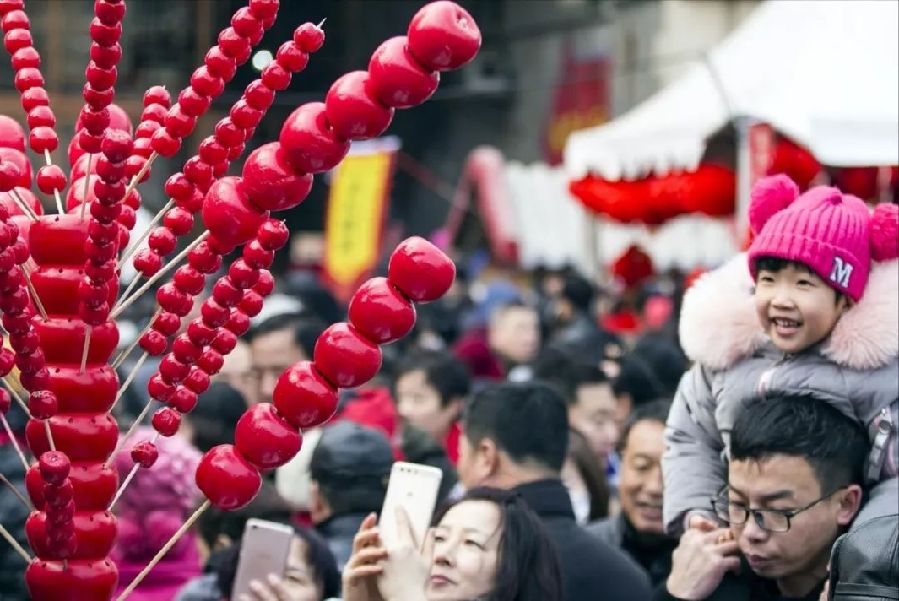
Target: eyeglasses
769,520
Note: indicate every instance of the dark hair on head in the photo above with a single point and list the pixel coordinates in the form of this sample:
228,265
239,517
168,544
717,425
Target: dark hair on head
654,411
442,371
834,444
527,562
212,421
267,505
578,291
593,474
775,264
306,329
566,372
527,420
319,558
353,495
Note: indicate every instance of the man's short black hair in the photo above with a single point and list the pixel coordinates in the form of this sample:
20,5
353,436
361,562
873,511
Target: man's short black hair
527,420
835,445
578,291
560,368
443,371
306,329
653,411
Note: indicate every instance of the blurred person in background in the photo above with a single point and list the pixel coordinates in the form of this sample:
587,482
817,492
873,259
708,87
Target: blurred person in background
220,531
310,574
592,406
277,343
152,508
638,529
574,321
585,478
515,437
13,512
488,545
349,470
652,370
237,371
509,344
212,421
430,391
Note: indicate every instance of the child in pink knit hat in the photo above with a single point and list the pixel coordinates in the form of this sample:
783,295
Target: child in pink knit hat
816,315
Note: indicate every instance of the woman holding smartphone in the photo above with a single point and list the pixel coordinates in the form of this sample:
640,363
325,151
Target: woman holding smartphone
488,546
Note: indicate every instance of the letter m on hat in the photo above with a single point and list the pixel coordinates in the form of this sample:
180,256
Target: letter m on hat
841,272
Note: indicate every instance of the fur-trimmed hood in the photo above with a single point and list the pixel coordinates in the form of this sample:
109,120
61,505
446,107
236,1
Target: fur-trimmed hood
719,326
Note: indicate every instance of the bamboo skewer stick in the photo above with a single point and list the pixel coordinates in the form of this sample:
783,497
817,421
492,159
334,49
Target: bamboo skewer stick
16,492
23,205
124,354
86,348
34,296
128,380
49,434
59,208
128,478
133,249
136,179
125,302
15,544
16,397
15,443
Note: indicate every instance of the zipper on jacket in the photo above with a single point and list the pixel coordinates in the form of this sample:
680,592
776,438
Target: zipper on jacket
879,445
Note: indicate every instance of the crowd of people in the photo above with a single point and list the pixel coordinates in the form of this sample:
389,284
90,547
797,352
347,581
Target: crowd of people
626,442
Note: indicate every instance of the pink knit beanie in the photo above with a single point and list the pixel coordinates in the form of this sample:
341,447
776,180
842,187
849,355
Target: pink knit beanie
832,233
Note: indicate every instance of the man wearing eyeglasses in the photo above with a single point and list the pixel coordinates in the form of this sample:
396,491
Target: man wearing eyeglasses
794,485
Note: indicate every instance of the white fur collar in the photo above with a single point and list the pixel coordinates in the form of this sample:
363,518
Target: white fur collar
718,324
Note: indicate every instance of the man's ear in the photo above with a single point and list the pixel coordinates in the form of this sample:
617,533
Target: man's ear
487,459
850,500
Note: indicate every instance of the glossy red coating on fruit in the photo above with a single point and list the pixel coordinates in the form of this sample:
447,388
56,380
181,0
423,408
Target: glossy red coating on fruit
259,96
102,271
246,24
15,19
82,437
183,399
256,256
166,421
380,312
172,370
345,357
165,143
197,381
57,286
58,239
162,240
106,56
227,479
273,234
224,341
397,79
28,78
291,57
157,95
210,361
75,195
11,133
206,83
105,34
117,145
50,179
109,12
94,531
199,333
353,110
42,404
225,293
103,233
90,391
54,467
5,401
92,486
214,315
185,350
17,158
26,57
41,116
420,270
219,64
311,146
159,389
275,76
304,397
147,261
100,78
199,172
144,454
244,116
62,340
16,39
172,299
155,113
153,343
127,218
43,139
228,133
264,9
94,315
228,214
265,285
238,323
264,438
32,98
270,182
309,37
93,579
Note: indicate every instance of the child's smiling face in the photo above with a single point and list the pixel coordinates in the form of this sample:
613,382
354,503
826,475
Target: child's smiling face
796,307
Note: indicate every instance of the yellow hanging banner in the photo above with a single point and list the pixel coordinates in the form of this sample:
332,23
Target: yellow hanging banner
358,200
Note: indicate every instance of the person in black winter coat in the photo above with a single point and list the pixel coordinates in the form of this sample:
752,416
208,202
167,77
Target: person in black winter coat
13,514
515,438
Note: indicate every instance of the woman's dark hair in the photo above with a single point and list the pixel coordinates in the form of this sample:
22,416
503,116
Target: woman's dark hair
592,473
318,556
527,562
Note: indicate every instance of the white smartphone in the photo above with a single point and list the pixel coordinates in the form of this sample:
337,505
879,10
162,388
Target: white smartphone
264,549
413,487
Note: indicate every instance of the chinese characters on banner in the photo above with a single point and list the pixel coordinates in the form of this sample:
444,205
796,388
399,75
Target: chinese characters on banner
582,98
357,203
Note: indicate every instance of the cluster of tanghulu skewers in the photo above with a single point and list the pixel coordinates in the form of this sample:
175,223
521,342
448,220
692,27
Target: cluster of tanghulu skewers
59,273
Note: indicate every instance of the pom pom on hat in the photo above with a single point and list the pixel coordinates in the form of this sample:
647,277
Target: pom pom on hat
885,232
770,195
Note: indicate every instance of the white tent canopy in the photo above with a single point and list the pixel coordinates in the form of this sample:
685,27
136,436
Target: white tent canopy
824,72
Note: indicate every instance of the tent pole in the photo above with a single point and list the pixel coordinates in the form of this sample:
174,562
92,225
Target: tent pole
742,126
